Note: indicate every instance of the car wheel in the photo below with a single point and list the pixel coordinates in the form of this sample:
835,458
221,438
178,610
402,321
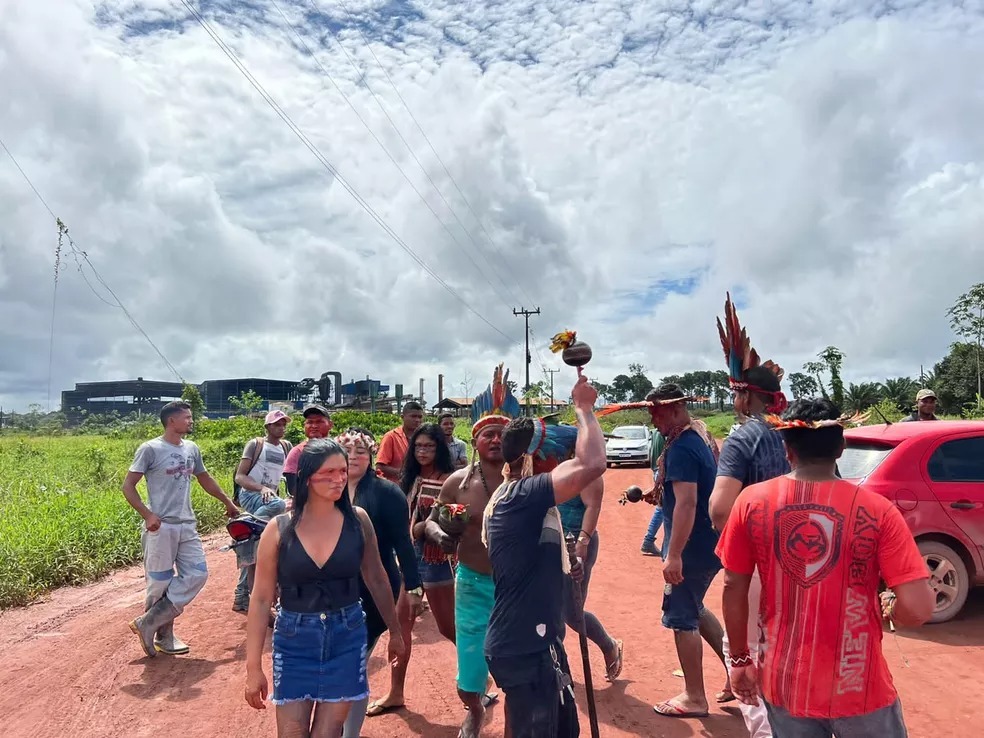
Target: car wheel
948,577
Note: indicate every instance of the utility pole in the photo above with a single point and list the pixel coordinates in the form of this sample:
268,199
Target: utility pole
526,315
552,401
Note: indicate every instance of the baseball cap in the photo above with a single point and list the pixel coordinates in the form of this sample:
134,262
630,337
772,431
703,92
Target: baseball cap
314,409
924,394
274,416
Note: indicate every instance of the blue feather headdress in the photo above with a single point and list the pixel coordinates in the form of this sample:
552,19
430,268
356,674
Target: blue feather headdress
496,405
552,440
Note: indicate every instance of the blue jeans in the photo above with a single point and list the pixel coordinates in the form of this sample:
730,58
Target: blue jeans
252,502
683,603
884,723
655,522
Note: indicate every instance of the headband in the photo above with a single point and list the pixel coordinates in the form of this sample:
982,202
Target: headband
354,436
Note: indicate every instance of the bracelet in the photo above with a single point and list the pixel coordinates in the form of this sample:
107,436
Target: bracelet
587,536
741,659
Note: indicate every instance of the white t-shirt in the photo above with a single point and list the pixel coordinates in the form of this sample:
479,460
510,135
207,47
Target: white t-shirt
270,465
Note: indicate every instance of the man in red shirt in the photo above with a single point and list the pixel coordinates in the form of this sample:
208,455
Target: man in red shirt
821,546
393,447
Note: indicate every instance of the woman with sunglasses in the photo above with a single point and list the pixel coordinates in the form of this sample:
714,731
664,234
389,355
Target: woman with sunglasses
315,555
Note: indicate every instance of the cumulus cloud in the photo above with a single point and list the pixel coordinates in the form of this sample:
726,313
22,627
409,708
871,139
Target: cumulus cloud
618,165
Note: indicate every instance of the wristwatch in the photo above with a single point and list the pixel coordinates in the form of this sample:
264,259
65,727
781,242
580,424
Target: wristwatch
419,591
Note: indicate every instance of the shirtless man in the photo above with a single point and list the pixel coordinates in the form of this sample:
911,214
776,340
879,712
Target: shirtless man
474,590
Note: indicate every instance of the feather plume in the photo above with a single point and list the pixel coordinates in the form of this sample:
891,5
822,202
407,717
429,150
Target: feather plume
738,352
618,407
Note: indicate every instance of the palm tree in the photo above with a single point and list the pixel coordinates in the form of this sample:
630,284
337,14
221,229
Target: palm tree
901,391
860,397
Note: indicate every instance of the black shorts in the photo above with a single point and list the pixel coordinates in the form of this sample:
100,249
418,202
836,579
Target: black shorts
533,704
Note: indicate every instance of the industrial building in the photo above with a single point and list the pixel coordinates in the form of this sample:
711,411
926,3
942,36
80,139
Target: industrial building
144,396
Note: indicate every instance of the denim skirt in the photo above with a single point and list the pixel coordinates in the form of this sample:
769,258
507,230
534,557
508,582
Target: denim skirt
320,656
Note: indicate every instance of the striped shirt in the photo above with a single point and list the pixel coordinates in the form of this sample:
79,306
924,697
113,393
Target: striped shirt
753,453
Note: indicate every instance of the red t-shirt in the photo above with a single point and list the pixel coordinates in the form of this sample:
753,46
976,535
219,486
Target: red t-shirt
820,549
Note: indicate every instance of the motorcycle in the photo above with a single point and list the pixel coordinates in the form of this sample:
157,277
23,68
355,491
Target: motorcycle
245,531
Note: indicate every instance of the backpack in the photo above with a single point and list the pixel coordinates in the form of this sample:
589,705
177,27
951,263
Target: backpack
257,452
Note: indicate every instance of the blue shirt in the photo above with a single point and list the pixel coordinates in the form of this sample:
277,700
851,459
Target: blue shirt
753,453
525,546
690,460
572,514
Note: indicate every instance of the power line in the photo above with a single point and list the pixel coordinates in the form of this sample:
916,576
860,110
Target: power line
526,316
461,193
80,254
386,151
282,114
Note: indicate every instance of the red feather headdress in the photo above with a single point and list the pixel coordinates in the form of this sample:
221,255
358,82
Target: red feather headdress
741,357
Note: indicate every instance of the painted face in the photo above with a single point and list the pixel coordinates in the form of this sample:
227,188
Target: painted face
331,478
278,429
488,443
317,426
447,425
425,450
359,459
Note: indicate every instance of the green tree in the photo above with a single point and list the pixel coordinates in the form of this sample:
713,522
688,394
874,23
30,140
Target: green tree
247,402
830,361
803,385
859,397
193,397
901,391
967,321
956,378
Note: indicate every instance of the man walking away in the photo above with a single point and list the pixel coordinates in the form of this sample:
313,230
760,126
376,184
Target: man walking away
656,521
523,531
822,546
170,537
393,447
257,489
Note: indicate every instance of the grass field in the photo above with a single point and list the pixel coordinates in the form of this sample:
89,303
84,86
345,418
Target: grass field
63,519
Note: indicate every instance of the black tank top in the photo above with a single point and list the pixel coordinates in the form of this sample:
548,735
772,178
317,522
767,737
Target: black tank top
306,588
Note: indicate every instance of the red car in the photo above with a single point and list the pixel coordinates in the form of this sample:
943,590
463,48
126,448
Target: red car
934,472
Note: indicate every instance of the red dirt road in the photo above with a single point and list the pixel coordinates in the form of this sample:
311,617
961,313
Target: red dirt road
69,666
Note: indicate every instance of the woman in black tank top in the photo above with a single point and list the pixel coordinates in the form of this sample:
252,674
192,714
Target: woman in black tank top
315,556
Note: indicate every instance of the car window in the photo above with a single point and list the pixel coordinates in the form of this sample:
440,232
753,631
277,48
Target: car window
632,434
860,458
959,460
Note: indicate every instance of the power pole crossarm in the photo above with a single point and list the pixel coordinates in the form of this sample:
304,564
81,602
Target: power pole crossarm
526,315
553,402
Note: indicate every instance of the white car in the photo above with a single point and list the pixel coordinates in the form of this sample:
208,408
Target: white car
628,444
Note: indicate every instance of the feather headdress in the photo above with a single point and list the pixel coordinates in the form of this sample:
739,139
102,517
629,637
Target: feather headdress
551,439
496,405
844,421
744,362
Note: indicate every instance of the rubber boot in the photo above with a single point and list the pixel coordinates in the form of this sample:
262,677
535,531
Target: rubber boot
166,642
147,624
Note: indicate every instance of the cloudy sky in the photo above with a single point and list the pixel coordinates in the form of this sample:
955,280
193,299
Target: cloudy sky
619,165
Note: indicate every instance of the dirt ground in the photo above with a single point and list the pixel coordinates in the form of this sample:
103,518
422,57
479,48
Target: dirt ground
69,666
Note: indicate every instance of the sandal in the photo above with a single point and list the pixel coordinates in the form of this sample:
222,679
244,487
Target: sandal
668,709
613,669
375,709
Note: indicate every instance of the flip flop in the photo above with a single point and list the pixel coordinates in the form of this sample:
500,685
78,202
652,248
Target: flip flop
375,709
723,697
666,709
615,668
488,699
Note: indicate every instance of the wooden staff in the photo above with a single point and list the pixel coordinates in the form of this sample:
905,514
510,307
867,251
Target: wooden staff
582,638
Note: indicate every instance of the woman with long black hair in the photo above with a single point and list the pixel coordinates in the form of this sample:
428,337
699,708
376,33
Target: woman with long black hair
386,506
315,555
427,464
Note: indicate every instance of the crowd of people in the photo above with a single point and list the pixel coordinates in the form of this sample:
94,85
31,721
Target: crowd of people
501,548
